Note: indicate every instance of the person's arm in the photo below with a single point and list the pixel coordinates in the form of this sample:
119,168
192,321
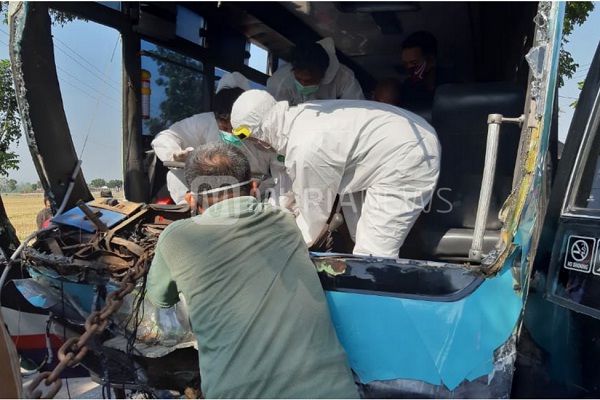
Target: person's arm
161,289
39,219
350,88
190,132
281,85
315,184
167,143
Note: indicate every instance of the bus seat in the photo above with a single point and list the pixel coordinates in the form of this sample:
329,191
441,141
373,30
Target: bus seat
459,116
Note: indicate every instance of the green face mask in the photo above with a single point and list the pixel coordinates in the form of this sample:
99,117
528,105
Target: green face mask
306,90
230,138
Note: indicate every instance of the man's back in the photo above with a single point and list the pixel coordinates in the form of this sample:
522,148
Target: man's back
256,304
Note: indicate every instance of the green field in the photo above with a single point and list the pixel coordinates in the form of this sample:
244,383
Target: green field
23,208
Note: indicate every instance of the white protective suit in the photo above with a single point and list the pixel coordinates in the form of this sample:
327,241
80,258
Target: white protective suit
200,129
354,148
338,83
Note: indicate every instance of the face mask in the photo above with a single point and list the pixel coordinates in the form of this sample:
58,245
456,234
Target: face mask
306,90
230,138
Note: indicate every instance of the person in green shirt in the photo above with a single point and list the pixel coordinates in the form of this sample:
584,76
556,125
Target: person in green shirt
255,301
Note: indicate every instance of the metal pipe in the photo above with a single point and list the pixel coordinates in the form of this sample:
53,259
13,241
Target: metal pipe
16,254
487,183
70,188
92,217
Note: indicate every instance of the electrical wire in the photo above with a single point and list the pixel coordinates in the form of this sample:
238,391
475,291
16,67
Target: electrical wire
82,58
99,98
86,85
88,95
84,67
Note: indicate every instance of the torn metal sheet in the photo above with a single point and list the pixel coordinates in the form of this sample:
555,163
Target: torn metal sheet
440,343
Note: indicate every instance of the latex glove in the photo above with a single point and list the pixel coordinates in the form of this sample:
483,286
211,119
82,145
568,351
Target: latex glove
182,156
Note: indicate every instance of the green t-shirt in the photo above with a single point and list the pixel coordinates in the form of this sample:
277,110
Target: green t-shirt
255,302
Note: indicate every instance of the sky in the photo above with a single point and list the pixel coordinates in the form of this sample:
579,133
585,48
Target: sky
88,58
582,46
88,61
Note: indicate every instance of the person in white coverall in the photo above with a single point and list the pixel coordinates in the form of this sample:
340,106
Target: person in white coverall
314,73
177,142
347,147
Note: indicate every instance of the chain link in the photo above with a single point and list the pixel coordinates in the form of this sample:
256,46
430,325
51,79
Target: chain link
72,352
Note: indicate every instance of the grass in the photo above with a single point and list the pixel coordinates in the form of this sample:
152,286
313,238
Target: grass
23,208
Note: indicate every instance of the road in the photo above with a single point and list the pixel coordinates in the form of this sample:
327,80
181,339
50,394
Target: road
75,388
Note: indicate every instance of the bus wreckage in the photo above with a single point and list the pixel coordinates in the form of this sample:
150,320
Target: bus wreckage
445,319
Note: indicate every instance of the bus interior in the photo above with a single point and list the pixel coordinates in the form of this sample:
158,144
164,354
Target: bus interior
491,48
203,39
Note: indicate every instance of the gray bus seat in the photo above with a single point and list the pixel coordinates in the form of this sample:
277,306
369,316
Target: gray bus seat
459,116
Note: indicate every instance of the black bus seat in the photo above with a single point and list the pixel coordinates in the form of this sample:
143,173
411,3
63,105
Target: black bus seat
459,116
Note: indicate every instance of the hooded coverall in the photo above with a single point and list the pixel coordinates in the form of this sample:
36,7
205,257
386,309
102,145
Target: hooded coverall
357,149
338,83
200,129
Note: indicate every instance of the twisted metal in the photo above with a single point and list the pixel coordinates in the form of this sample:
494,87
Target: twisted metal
73,351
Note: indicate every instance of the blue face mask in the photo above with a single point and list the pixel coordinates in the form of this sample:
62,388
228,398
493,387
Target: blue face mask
230,138
306,90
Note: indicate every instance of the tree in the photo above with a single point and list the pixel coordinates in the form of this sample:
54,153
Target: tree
10,121
97,183
114,184
576,13
580,86
12,185
183,89
10,132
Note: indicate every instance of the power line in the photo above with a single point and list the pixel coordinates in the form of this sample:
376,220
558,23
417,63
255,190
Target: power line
78,55
104,145
81,57
88,95
99,98
84,67
86,85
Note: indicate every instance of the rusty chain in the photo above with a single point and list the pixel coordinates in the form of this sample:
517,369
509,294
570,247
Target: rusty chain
72,352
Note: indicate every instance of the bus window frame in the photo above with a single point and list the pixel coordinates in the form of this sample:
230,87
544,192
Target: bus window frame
592,129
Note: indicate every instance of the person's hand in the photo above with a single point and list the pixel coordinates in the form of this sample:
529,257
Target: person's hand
182,156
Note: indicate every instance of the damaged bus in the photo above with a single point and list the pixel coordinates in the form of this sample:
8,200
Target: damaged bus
444,319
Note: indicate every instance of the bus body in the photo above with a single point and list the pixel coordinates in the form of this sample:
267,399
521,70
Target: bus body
442,320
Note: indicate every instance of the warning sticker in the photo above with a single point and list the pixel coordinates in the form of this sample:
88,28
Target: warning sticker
580,253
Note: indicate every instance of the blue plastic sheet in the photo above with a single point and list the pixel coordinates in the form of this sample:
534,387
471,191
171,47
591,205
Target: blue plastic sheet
75,217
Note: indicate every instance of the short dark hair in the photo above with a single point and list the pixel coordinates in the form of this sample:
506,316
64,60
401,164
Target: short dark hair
224,100
222,161
311,57
423,40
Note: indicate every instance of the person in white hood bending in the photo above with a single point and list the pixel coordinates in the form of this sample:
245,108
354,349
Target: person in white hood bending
387,155
177,142
314,73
